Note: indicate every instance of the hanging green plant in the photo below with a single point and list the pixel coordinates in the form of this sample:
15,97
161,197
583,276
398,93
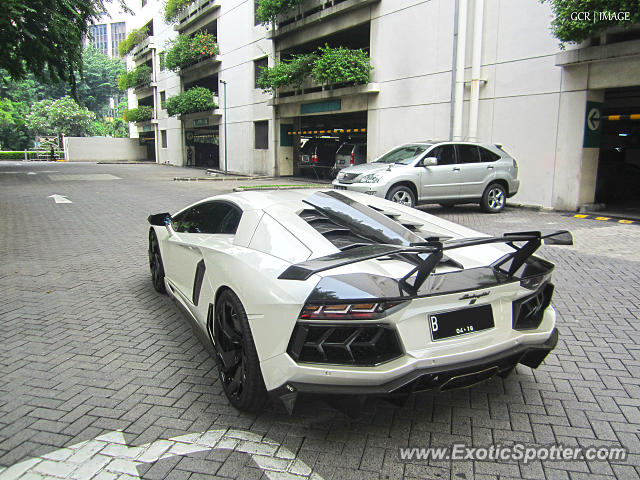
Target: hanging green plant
143,113
342,65
197,99
268,10
292,72
135,38
174,8
186,50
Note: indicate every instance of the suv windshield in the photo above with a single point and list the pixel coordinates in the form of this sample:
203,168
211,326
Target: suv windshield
403,155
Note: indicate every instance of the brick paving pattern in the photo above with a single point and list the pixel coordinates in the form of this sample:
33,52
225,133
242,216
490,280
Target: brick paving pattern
88,348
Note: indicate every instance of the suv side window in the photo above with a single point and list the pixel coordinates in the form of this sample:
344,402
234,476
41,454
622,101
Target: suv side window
487,155
209,217
445,154
468,154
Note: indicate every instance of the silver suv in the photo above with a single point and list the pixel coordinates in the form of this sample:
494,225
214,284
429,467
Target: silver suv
437,172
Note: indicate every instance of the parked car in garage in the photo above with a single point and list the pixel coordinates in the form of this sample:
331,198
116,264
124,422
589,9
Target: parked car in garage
350,154
327,292
446,172
318,155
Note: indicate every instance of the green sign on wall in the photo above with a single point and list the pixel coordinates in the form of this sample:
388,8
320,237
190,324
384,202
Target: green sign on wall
317,107
286,139
592,125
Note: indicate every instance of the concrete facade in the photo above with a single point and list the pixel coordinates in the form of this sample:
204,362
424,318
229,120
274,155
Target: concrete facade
102,149
162,81
532,95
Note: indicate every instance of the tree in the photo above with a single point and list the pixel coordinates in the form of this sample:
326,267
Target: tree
39,36
60,117
99,81
13,131
568,27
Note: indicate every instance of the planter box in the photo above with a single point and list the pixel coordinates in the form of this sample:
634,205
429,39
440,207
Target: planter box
194,11
313,11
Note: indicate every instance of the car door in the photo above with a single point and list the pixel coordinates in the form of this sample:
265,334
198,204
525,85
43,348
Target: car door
441,181
191,228
474,174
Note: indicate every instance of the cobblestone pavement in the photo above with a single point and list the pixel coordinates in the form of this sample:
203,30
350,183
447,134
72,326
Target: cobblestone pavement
88,348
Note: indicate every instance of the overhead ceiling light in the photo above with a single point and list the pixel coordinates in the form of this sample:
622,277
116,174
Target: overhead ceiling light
623,134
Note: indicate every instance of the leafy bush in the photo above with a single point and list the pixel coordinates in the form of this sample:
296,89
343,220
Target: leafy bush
185,50
135,78
141,76
567,30
19,155
134,38
342,65
141,114
12,155
124,79
173,9
292,72
197,99
268,10
329,66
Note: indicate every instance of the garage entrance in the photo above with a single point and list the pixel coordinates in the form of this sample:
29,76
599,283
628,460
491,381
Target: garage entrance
618,181
318,138
148,140
203,147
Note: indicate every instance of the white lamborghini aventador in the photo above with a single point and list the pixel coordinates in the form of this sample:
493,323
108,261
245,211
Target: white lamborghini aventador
345,293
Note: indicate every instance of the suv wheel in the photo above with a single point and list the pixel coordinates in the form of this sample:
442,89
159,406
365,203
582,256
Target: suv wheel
493,198
402,195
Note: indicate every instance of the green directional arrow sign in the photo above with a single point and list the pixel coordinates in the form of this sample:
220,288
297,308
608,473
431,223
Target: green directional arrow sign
592,125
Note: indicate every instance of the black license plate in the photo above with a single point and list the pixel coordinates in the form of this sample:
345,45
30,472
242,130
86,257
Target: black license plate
460,322
339,187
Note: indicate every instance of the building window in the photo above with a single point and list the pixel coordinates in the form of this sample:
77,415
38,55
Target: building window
163,100
262,135
163,136
99,38
258,66
118,32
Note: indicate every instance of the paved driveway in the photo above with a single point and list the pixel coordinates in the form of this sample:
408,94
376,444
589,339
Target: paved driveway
88,348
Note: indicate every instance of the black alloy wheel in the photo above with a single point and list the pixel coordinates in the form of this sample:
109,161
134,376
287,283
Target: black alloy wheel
155,263
238,363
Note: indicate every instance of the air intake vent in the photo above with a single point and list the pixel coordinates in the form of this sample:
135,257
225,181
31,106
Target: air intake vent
337,234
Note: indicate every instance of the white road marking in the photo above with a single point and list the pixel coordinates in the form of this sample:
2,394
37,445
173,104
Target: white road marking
60,198
110,454
82,177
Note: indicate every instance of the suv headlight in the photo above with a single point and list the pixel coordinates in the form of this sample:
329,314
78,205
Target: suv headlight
371,178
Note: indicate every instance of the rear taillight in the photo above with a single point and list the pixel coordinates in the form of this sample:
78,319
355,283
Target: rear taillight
353,158
347,311
314,158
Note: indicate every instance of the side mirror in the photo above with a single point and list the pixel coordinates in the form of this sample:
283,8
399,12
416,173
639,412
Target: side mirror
430,162
159,219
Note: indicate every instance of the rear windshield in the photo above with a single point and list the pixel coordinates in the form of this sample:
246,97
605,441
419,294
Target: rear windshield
403,155
345,149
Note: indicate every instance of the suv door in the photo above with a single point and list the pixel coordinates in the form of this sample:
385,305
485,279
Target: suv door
474,174
441,181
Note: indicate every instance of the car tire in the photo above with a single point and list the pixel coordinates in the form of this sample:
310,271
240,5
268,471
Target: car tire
155,263
238,364
494,198
402,195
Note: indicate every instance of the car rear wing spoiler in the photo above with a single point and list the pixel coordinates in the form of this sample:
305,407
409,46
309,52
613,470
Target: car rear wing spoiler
434,249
